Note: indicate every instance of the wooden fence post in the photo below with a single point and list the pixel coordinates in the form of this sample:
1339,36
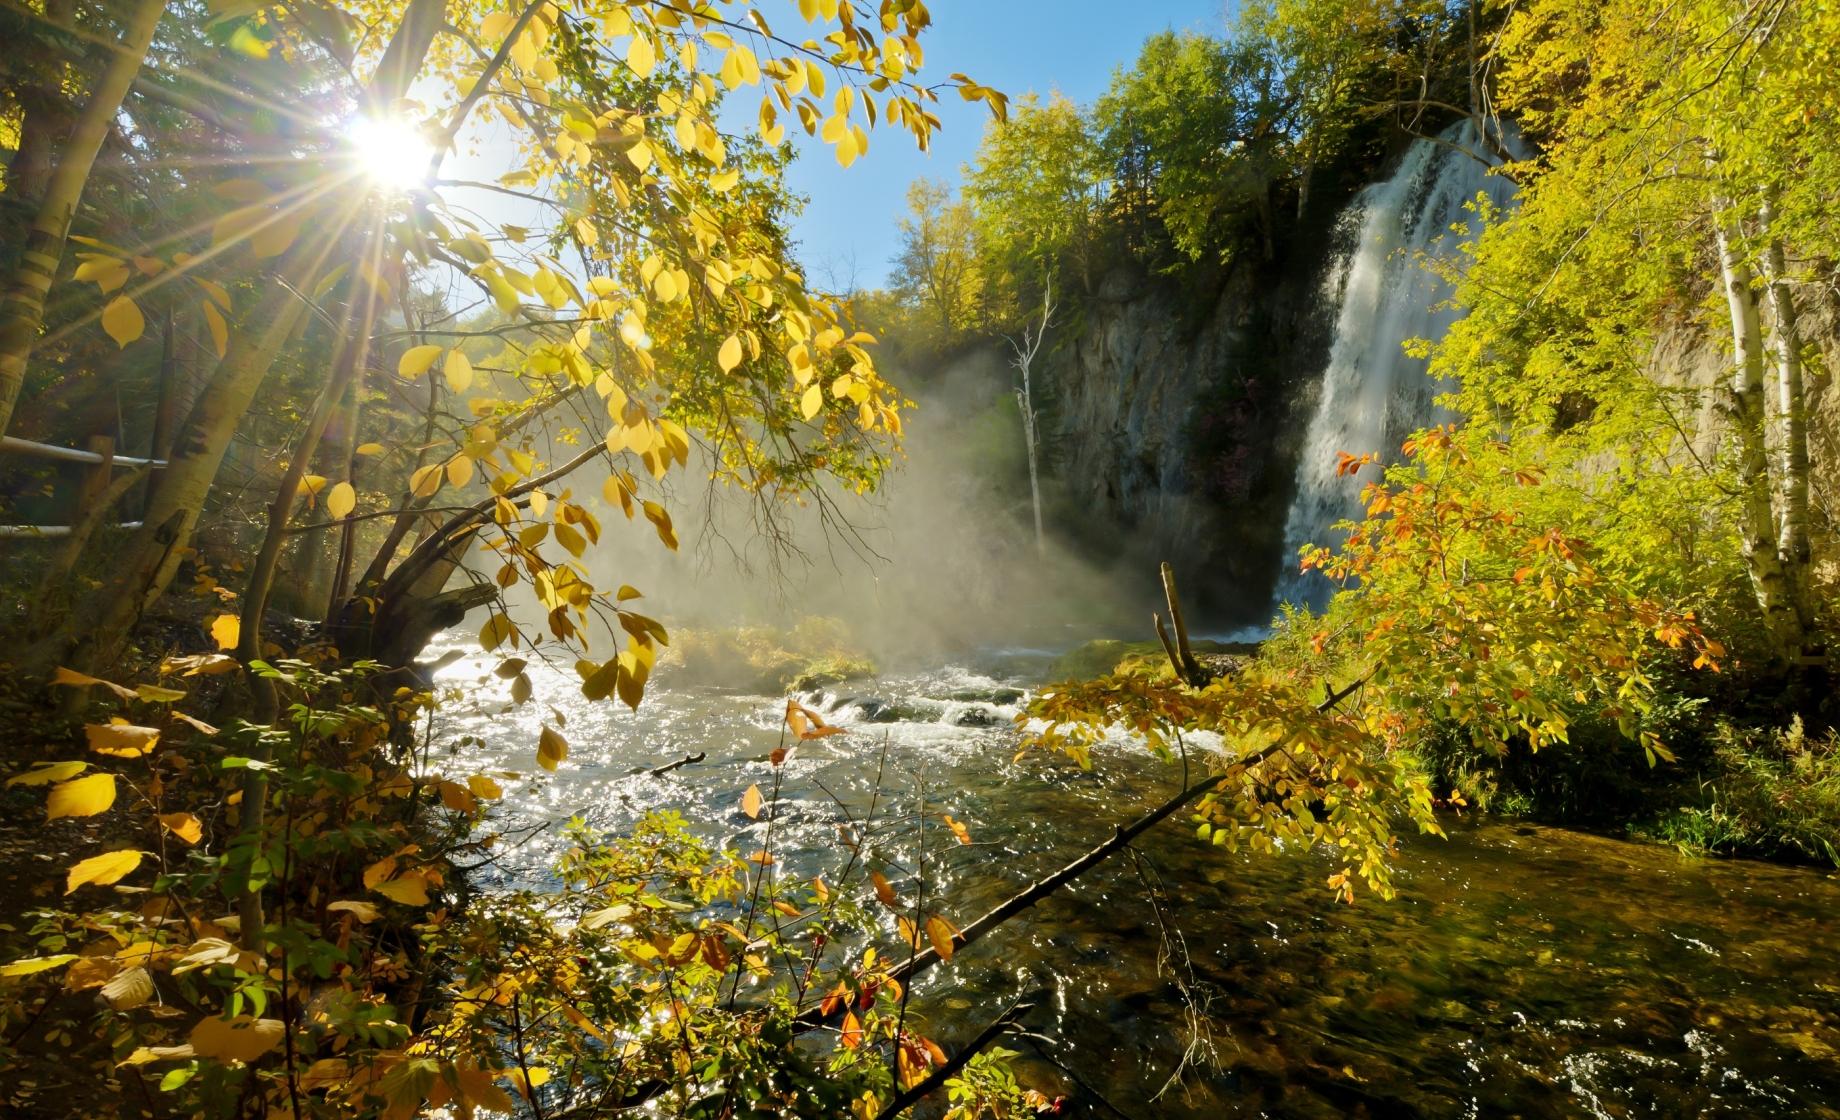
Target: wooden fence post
96,478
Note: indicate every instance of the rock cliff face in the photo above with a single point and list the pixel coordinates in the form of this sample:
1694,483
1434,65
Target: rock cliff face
1171,416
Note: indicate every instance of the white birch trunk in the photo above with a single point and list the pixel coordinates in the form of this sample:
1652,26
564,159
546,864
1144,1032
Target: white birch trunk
1791,420
1757,528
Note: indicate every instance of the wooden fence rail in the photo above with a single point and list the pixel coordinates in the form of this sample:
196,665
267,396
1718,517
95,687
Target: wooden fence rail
99,456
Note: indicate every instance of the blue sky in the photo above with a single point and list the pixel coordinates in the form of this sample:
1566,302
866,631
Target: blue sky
847,234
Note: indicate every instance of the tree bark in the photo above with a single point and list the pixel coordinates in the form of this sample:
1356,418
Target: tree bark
42,127
1757,524
379,566
1791,417
337,460
22,294
353,356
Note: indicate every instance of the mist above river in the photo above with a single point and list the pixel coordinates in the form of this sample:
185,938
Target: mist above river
941,558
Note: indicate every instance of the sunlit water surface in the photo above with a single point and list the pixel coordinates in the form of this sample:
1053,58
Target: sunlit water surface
1522,971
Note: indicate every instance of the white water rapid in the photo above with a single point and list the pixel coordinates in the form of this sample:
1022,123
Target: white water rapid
1373,394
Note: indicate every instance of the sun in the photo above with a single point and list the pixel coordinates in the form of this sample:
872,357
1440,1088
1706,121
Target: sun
391,152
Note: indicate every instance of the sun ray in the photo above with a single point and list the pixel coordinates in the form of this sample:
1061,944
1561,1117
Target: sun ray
301,197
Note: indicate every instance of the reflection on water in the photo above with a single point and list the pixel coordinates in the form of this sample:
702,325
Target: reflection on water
1521,972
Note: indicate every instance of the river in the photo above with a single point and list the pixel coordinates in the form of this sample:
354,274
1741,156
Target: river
1522,971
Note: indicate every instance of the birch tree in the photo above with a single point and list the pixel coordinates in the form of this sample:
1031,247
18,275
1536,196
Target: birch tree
1684,149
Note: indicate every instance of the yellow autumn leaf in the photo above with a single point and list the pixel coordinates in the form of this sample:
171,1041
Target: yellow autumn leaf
199,665
90,972
751,802
46,774
369,449
416,360
884,891
812,401
121,740
82,797
129,989
30,965
218,293
410,890
485,787
106,272
226,631
458,798
276,233
641,56
109,867
194,722
144,1055
154,694
357,908
379,871
220,330
123,320
552,748
341,501
661,521
459,470
459,371
242,1039
730,355
940,933
568,538
495,631
183,825
83,680
426,481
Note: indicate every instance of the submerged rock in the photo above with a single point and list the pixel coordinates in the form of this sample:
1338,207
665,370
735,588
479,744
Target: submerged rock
986,695
1108,655
764,660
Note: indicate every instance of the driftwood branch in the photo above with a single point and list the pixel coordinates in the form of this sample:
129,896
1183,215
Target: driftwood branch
1183,657
661,771
910,1097
1169,647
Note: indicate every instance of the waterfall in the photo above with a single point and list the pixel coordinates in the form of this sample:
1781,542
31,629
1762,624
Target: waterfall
1373,395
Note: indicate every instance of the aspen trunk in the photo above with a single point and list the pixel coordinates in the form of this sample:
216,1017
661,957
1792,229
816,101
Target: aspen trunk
312,574
94,632
42,127
1792,421
352,358
1757,528
22,294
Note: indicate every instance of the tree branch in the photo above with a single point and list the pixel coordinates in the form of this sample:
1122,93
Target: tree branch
956,1062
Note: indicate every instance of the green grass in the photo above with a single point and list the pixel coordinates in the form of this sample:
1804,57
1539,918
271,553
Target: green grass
1773,793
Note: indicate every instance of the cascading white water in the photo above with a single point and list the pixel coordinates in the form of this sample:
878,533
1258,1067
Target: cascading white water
1373,393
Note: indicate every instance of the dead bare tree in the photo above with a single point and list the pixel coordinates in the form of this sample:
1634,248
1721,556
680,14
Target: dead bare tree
1026,349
